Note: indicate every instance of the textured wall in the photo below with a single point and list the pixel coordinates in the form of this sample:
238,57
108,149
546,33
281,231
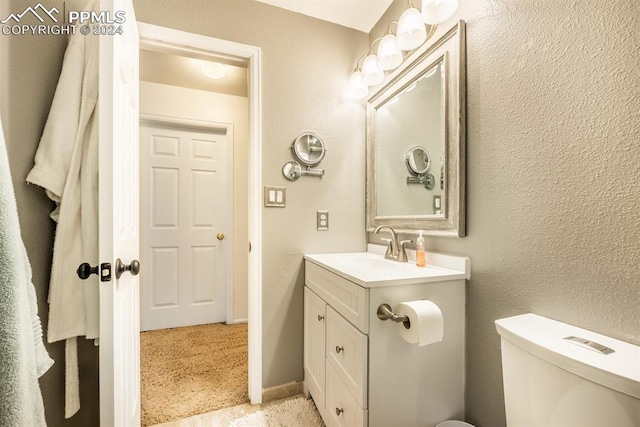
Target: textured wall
553,197
306,64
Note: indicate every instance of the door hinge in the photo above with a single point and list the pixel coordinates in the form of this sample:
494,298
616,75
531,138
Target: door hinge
105,272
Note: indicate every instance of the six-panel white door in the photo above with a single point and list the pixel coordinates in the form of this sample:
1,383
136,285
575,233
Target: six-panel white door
184,232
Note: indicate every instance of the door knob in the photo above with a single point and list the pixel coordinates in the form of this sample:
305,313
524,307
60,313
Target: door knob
133,268
103,271
220,236
85,270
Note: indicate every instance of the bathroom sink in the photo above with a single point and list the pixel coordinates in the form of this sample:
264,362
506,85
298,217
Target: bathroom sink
370,269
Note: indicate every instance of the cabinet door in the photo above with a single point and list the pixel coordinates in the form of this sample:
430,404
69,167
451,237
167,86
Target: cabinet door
315,313
347,353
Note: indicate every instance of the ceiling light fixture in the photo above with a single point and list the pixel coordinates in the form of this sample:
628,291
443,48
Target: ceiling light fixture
411,33
213,70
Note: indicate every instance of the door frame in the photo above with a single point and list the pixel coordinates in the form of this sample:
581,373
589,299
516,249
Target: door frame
227,130
167,40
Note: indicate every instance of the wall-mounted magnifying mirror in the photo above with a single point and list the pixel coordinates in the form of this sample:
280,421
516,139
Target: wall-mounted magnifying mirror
292,170
309,149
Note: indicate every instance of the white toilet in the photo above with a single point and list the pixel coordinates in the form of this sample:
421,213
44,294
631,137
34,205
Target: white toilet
557,375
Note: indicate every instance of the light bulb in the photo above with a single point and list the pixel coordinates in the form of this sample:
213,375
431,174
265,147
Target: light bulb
356,89
438,11
411,30
389,53
213,70
371,74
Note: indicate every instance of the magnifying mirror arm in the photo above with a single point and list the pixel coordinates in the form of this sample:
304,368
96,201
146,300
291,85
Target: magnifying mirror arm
313,172
427,180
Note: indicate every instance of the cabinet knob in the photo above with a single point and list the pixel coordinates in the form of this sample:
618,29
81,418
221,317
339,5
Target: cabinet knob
339,411
338,350
320,318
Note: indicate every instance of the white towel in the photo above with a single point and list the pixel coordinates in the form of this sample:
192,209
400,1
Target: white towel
66,166
23,358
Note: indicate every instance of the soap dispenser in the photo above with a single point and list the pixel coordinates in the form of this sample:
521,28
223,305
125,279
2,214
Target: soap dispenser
420,256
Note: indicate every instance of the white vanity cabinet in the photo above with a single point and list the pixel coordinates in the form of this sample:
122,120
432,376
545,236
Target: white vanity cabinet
335,351
358,369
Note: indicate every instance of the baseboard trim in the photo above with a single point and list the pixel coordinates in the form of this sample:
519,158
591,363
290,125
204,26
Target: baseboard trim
236,321
282,391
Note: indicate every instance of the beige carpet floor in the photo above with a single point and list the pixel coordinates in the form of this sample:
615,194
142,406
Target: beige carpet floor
192,370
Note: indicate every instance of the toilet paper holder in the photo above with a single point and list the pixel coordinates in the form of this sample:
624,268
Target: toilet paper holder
385,313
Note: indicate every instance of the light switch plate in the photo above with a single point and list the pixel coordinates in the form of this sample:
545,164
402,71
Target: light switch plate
322,220
275,197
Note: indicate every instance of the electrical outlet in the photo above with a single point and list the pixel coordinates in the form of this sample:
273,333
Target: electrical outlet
322,220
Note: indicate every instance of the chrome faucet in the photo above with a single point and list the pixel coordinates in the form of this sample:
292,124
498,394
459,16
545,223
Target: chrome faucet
395,251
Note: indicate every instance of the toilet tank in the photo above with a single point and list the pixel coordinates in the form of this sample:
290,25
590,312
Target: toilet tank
552,380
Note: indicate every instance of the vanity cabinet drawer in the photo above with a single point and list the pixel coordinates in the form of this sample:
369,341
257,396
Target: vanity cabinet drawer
347,353
347,298
342,409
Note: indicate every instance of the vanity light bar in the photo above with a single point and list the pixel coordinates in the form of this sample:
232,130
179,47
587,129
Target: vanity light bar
411,33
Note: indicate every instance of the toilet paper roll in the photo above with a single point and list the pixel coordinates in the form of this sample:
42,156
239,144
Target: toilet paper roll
426,325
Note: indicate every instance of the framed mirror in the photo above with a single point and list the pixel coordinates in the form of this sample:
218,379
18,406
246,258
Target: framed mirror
416,123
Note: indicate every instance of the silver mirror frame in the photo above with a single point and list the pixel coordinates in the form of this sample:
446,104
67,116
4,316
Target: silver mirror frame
304,154
451,48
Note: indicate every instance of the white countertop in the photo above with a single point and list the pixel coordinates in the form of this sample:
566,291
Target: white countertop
370,269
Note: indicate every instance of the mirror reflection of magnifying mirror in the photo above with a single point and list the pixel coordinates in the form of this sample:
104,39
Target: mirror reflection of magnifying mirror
418,160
